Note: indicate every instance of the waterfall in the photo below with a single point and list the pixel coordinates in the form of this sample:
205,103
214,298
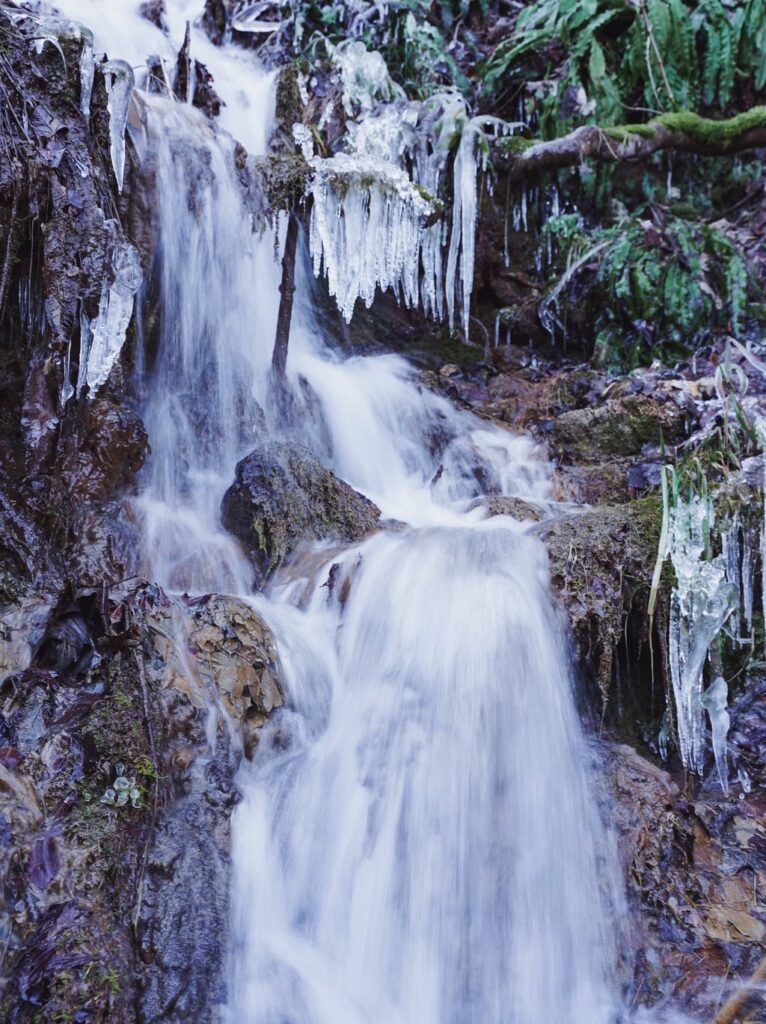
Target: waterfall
418,842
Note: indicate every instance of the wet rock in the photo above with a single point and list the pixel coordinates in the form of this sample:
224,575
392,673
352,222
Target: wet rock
601,564
168,695
205,97
155,12
282,496
104,545
517,508
619,426
111,449
695,871
22,628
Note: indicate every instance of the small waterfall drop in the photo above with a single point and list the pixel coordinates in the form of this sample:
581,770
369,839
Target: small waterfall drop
418,842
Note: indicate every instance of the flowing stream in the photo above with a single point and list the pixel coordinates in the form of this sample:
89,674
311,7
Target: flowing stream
418,842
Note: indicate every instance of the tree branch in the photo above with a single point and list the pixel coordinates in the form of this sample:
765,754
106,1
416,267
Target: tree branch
684,131
287,291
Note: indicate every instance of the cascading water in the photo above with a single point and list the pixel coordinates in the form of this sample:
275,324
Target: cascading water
417,842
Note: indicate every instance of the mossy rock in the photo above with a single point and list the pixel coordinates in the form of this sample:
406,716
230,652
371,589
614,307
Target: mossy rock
601,564
618,427
283,495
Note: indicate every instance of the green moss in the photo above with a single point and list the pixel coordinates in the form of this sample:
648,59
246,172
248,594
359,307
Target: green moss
282,180
714,133
514,144
623,132
288,103
703,130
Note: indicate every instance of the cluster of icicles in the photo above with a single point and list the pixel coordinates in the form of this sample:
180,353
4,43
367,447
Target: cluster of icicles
712,593
375,213
102,337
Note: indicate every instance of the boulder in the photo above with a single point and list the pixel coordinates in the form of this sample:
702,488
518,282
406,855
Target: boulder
282,496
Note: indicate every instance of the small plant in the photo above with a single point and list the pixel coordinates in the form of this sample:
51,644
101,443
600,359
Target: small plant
111,979
660,287
123,789
145,766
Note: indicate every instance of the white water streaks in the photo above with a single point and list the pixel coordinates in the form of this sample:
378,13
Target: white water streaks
406,851
120,31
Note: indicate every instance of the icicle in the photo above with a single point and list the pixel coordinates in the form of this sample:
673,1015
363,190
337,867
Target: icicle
748,580
87,70
715,701
66,387
85,339
366,223
701,602
744,780
43,36
730,549
101,340
459,278
120,82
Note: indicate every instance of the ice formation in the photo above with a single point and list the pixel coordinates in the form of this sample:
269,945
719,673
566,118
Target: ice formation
701,602
730,551
715,701
250,19
101,339
87,70
409,144
364,76
471,157
120,82
366,221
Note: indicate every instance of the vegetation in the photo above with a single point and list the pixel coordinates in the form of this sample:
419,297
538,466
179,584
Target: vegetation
622,59
658,288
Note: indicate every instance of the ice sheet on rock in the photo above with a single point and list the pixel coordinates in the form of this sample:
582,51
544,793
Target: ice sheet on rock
102,339
701,602
120,82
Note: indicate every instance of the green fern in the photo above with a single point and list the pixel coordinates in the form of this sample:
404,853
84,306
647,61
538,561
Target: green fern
649,55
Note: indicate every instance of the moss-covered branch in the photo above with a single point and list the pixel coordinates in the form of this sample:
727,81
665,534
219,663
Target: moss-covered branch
684,131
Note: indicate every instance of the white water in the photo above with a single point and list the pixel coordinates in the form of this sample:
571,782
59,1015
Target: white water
417,842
